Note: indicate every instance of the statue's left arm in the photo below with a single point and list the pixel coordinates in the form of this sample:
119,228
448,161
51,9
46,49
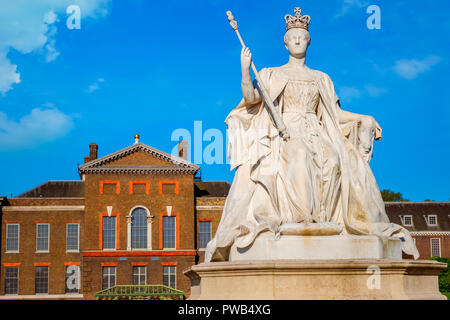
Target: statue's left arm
346,116
361,130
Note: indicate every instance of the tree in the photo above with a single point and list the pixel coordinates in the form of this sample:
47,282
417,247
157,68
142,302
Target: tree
444,276
389,195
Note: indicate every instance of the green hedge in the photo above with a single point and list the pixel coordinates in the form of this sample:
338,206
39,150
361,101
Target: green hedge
444,276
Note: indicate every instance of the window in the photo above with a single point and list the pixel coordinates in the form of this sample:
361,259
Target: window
109,233
169,233
139,229
109,187
407,221
72,236
139,275
11,280
72,279
169,187
41,280
169,276
42,235
139,187
432,220
435,247
12,237
204,233
109,277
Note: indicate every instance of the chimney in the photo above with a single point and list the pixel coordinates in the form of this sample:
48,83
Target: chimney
93,148
182,149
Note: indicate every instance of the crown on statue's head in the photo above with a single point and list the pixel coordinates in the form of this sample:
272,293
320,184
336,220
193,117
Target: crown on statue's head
298,21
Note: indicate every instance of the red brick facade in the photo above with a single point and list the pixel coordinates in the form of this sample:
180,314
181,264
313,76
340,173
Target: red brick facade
112,187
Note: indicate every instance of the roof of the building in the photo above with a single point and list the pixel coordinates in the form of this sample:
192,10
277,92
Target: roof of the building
211,188
179,165
419,211
3,201
56,189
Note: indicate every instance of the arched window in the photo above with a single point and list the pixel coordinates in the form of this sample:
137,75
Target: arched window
139,229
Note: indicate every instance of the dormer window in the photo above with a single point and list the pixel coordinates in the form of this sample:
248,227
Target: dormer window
407,221
432,220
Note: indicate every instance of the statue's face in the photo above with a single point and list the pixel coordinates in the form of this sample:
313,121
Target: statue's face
297,41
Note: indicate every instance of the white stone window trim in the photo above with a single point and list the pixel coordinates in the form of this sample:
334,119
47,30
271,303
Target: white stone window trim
18,238
439,245
175,227
168,268
48,238
139,273
109,275
429,221
48,281
406,218
149,229
18,282
78,237
117,240
209,232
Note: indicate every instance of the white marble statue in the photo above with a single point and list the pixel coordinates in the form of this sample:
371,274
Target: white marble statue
316,182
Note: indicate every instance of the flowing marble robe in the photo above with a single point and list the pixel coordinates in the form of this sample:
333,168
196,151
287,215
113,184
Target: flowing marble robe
266,192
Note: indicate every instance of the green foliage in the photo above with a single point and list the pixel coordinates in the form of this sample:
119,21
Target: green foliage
444,276
389,195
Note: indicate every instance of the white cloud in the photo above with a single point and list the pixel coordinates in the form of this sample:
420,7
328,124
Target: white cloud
374,91
51,51
37,127
48,104
411,68
8,74
347,94
349,4
50,17
93,87
29,26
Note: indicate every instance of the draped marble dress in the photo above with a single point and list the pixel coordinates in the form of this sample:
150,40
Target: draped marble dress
318,175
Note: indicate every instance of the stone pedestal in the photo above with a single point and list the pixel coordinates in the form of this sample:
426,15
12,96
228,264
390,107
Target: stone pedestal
316,279
338,247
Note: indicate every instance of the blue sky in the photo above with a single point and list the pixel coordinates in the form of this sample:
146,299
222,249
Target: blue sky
152,67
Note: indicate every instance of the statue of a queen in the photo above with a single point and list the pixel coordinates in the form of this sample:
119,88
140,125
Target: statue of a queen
320,175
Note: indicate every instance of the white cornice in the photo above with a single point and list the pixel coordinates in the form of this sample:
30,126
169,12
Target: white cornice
430,233
43,208
134,148
209,207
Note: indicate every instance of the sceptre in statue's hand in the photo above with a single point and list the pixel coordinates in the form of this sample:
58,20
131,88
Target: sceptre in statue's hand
247,86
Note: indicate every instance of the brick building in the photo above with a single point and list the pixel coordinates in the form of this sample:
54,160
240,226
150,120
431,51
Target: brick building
428,223
137,216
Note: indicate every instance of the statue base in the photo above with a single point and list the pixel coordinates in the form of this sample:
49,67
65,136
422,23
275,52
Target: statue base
316,279
266,247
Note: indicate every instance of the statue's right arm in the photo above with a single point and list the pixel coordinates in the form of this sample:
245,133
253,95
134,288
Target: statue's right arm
251,95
